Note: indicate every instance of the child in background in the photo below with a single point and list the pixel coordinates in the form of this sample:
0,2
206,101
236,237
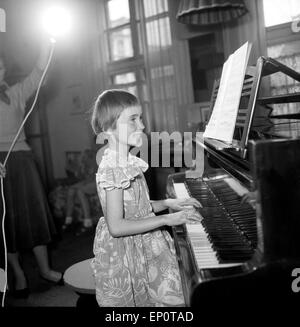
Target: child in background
86,186
135,261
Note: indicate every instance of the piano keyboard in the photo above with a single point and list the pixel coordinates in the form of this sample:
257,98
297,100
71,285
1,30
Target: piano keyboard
204,252
226,235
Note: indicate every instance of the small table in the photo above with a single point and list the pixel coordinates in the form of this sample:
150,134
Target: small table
79,277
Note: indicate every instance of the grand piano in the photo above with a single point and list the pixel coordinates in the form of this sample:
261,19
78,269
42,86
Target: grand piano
248,240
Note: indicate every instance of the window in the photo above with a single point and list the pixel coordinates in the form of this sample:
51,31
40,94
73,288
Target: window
118,12
119,29
137,33
283,45
121,44
279,12
154,7
154,37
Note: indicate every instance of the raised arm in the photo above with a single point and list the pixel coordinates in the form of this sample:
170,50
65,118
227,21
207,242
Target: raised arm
23,90
44,54
118,226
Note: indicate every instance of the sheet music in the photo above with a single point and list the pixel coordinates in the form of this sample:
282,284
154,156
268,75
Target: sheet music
222,122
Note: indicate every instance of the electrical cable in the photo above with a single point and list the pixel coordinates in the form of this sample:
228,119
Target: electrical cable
7,156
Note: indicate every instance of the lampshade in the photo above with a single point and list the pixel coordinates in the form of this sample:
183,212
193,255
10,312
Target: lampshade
207,12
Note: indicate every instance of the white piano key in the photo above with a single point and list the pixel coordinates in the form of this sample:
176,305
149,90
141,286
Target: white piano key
204,254
181,191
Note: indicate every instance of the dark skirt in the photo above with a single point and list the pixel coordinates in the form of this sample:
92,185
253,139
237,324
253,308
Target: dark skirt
28,220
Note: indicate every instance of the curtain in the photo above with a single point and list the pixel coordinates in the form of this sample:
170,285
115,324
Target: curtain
250,27
159,65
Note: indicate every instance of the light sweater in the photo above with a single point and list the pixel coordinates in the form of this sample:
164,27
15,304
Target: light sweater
11,115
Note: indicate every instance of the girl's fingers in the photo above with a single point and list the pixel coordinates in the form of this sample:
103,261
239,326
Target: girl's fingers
186,207
194,218
194,202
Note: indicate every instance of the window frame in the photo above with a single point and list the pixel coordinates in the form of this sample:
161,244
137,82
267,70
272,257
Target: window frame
281,33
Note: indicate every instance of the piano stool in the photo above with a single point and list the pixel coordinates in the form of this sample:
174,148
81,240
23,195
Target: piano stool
79,277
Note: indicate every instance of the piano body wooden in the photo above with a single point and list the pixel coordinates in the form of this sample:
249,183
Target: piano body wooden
245,248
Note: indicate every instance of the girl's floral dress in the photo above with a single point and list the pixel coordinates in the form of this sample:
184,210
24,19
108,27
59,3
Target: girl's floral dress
138,270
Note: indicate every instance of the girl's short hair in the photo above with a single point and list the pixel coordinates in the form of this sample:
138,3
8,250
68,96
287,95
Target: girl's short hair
108,107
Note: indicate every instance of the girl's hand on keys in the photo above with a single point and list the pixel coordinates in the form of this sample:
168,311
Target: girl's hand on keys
182,204
193,216
177,218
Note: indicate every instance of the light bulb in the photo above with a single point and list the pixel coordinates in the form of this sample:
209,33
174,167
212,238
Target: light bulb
56,21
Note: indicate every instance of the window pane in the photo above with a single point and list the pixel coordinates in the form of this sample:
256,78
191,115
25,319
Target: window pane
278,12
289,54
155,7
166,75
118,12
132,89
160,72
158,33
121,44
124,78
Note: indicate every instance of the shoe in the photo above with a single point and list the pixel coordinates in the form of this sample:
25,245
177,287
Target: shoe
21,294
60,282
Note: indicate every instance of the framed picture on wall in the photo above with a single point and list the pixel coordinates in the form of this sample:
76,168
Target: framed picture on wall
76,101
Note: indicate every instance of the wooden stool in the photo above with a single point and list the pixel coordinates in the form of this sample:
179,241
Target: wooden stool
79,277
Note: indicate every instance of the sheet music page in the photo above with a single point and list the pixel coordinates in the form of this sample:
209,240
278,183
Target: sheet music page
222,122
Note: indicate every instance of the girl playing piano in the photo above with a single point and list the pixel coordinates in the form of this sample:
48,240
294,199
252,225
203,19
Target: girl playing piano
135,262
